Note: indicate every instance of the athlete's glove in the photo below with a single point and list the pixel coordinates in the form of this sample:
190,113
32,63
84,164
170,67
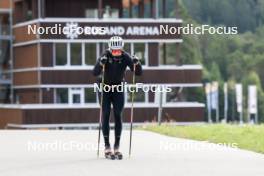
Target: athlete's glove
103,60
135,59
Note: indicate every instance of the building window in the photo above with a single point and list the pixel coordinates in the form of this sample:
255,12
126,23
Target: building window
171,9
140,50
173,96
90,95
19,12
76,99
127,48
126,8
62,95
81,54
181,94
76,54
91,13
90,53
114,13
5,24
135,9
76,96
61,54
168,54
139,97
5,53
147,9
29,13
110,12
167,8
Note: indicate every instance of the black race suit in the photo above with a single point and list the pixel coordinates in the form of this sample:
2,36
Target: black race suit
115,69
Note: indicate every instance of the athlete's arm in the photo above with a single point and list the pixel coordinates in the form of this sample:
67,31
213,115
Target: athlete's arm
130,64
98,65
97,68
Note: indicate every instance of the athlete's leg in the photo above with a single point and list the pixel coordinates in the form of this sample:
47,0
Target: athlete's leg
105,119
118,105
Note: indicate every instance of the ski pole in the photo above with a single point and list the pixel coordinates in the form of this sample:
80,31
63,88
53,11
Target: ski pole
101,110
132,110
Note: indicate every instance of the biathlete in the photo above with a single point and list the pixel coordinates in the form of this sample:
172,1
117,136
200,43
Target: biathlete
112,66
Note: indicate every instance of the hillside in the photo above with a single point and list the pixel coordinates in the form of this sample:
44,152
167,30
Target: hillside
226,58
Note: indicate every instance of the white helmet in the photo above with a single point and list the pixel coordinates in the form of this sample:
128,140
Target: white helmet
116,43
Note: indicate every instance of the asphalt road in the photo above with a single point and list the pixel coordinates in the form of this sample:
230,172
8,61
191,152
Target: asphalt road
73,153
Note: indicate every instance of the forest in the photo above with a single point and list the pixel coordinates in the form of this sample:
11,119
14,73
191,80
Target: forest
227,58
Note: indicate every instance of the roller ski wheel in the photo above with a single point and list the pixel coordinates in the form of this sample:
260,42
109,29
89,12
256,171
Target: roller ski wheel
118,155
109,155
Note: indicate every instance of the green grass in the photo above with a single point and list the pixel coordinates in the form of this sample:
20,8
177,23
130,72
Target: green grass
247,137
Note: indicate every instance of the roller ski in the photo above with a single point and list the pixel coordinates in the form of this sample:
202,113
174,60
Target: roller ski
109,154
118,155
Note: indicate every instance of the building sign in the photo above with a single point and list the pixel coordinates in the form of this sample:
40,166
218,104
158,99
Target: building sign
104,30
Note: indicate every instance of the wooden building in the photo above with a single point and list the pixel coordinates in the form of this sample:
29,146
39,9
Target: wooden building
47,78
